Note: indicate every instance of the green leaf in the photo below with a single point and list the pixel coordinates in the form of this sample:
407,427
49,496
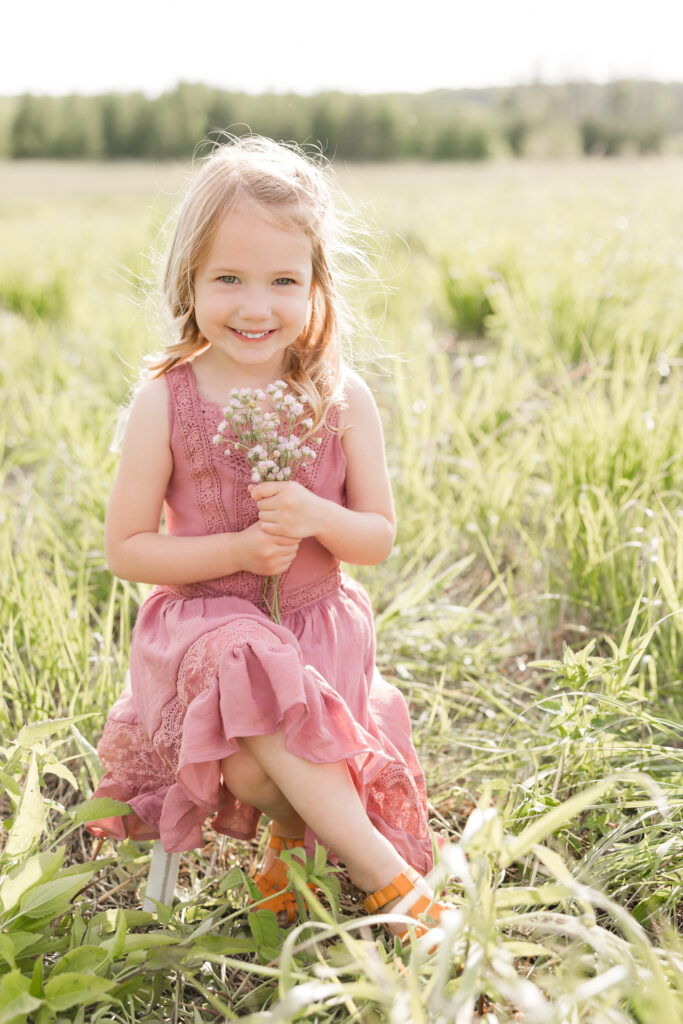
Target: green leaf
92,761
264,928
231,880
163,913
36,988
554,863
519,948
87,867
29,734
99,807
119,941
53,897
29,821
22,941
84,960
10,784
648,908
77,930
15,1000
107,920
39,868
219,945
7,950
71,989
143,942
526,896
62,772
320,859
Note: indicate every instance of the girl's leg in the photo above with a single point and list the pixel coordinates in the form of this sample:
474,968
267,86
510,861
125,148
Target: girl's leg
247,781
324,796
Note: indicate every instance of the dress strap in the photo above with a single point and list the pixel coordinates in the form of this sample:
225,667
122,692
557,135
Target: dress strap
188,423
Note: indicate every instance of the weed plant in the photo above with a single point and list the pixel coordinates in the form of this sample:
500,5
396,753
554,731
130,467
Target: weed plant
529,381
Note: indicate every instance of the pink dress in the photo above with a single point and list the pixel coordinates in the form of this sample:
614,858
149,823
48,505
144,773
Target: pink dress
207,665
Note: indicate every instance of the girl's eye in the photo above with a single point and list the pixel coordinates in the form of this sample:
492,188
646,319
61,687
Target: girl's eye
227,278
285,280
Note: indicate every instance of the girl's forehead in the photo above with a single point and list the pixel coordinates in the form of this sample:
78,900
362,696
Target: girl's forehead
251,230
286,218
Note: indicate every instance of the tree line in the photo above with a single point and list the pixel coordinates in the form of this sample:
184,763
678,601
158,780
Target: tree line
470,124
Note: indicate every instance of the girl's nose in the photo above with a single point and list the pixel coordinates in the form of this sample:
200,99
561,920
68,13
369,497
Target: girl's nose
255,305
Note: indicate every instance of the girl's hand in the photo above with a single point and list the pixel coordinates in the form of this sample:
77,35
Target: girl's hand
286,508
265,553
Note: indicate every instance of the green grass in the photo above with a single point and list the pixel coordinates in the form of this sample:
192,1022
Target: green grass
529,378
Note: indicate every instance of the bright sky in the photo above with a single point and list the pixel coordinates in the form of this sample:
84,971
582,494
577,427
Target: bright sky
306,46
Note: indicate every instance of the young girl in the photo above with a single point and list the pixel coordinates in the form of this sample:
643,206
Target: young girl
229,713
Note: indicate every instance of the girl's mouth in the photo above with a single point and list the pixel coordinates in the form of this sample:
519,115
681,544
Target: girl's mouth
252,335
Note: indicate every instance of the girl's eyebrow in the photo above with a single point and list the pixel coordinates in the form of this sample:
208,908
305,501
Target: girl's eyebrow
220,269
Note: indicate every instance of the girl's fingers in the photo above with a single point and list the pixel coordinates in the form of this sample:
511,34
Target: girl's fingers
264,490
267,503
273,531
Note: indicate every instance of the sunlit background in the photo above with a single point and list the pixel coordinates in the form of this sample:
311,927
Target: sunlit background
526,353
357,46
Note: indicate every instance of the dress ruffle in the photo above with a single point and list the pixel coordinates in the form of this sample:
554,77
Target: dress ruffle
247,677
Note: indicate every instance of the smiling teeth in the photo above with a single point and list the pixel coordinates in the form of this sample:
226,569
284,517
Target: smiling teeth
260,334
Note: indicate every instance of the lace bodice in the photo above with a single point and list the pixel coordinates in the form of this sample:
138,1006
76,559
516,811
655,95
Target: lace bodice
208,493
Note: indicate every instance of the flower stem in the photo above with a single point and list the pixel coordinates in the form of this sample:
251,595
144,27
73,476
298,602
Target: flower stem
273,606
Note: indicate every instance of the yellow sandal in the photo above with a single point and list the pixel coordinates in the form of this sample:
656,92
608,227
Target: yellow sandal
274,881
402,885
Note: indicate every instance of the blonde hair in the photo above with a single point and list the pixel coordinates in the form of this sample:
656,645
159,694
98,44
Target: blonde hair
289,188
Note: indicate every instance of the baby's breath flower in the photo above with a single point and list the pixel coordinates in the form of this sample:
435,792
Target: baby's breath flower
272,447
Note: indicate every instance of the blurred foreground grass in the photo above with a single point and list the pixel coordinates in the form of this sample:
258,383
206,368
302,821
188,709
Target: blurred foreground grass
530,384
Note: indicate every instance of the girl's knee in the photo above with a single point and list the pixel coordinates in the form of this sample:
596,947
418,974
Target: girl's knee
246,780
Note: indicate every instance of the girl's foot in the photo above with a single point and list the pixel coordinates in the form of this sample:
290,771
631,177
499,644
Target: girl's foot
410,894
275,844
272,880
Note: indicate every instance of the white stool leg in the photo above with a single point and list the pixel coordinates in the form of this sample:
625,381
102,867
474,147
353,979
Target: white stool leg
163,874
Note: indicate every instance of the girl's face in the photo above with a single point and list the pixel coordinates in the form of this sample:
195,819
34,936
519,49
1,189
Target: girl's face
252,292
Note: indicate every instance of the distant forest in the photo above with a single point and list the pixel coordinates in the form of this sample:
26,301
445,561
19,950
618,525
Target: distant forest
578,118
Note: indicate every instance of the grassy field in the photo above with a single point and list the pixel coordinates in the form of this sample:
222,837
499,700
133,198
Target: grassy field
529,376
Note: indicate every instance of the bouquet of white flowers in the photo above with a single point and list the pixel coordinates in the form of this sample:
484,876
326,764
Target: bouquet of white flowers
273,447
